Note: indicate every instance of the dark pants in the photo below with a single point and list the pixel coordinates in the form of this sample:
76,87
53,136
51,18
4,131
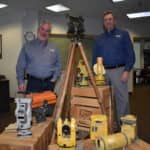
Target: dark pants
38,85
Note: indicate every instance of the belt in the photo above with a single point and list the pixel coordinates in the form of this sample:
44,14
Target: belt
114,66
40,79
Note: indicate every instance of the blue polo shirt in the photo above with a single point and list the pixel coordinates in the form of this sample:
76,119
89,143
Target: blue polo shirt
116,49
39,59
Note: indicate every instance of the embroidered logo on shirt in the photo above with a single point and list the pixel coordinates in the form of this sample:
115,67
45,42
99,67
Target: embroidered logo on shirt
118,36
51,50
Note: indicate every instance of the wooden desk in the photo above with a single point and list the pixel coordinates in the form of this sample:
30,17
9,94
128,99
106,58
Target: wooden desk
39,140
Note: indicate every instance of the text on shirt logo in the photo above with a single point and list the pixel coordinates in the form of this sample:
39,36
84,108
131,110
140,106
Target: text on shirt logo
118,36
51,50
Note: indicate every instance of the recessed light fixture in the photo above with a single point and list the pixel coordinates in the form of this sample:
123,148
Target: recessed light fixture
57,8
138,14
115,1
3,5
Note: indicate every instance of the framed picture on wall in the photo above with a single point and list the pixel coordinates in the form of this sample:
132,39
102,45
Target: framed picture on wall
0,46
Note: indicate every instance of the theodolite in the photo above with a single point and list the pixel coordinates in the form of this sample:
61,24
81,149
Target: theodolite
66,133
99,71
82,74
23,115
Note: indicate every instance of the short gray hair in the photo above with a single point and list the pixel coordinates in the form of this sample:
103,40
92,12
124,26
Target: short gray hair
45,22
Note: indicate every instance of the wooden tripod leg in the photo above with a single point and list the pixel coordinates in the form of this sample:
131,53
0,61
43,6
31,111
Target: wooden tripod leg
70,84
61,97
57,103
91,77
110,114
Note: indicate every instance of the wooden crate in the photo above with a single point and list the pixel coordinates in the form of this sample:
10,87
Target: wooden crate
82,108
90,145
38,141
84,104
88,92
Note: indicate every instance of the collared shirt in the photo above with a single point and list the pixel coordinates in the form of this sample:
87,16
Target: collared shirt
39,59
116,49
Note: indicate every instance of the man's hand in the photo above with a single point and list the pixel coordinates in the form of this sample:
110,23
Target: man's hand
125,76
22,87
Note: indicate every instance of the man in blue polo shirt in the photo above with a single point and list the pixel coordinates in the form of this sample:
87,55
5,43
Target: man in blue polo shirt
39,59
115,46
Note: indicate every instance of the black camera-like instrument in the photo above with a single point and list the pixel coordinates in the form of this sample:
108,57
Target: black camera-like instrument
76,27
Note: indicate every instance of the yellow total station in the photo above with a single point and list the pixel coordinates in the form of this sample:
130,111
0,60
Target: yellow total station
82,78
66,133
119,140
99,71
98,126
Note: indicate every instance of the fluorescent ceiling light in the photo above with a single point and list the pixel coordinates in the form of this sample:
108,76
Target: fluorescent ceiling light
115,1
138,14
57,8
3,5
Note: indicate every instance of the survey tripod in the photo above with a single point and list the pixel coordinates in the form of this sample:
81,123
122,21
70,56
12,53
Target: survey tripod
75,47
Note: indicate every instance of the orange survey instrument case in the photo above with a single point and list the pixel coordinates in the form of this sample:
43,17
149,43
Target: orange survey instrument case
39,98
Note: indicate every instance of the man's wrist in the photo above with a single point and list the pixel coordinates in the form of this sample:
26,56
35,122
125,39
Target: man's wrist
20,82
53,79
126,71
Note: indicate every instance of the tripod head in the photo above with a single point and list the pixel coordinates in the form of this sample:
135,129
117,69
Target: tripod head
75,28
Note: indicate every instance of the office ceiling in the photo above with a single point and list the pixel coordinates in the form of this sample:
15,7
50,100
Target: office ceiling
90,8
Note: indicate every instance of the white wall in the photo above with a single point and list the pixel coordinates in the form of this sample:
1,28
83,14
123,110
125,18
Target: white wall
12,28
30,21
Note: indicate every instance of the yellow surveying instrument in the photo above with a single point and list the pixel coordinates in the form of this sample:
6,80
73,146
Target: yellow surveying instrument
119,140
82,74
99,71
98,127
66,133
